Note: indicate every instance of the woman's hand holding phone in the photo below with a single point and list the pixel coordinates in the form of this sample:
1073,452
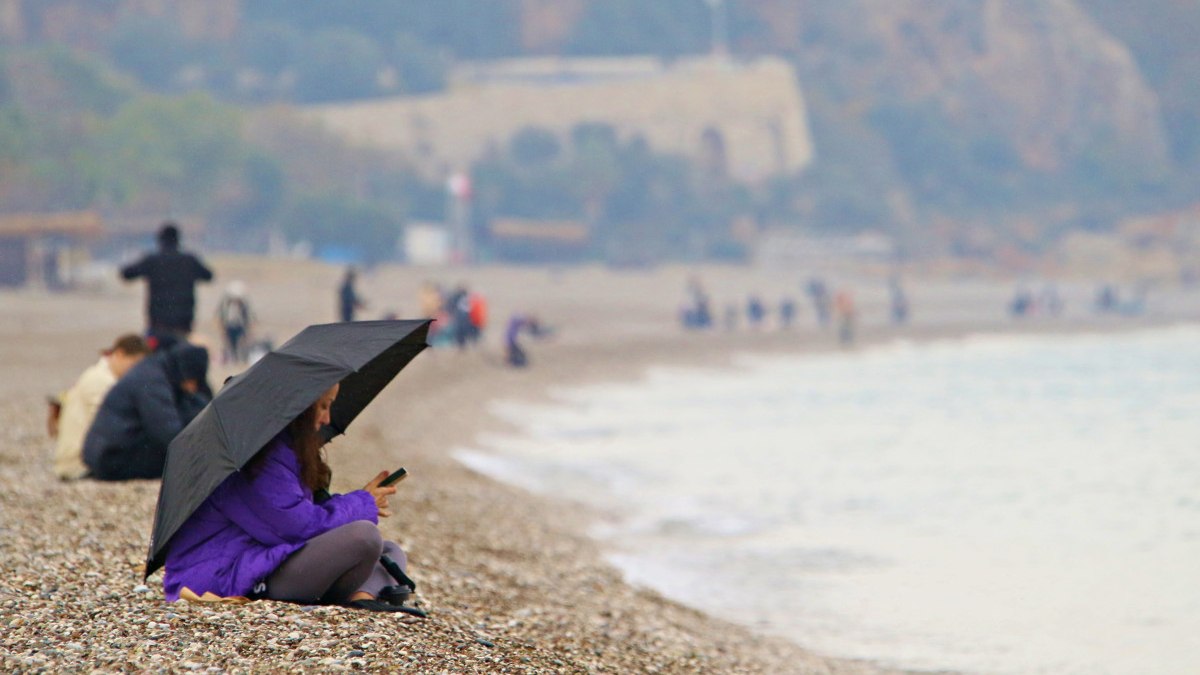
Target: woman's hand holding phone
381,493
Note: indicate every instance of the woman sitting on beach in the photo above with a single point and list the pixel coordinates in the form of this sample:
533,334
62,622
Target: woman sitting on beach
261,535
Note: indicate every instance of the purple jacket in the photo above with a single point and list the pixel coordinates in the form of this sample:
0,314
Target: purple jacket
249,524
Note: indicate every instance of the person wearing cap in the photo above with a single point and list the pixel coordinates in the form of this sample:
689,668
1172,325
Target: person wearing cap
144,411
171,277
72,413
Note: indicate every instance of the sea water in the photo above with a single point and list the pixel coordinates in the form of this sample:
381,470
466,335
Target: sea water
1003,504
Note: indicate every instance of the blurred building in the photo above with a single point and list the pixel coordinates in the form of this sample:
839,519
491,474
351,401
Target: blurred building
1162,246
44,249
754,112
798,249
533,240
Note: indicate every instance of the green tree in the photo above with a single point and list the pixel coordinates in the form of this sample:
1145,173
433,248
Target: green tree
152,49
15,135
664,27
338,64
270,47
466,28
180,147
532,147
88,84
422,67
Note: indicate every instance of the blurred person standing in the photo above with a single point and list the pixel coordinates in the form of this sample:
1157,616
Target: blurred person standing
171,276
899,301
349,301
477,313
72,413
429,299
787,313
818,292
458,308
236,318
756,312
846,313
430,303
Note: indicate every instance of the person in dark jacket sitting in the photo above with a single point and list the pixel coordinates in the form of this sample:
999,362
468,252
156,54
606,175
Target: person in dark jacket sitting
144,411
171,277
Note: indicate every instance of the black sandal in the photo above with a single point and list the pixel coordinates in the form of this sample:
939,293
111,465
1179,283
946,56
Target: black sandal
374,605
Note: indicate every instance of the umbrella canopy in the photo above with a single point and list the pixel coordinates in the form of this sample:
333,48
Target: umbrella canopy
257,404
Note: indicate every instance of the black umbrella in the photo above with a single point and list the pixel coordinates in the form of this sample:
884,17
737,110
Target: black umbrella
257,404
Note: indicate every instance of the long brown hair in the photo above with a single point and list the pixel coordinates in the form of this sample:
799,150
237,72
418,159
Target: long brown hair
309,448
306,442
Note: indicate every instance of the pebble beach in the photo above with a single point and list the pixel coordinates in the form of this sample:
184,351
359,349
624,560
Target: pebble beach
509,579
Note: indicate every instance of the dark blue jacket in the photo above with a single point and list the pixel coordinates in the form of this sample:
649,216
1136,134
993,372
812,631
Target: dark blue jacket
142,413
172,276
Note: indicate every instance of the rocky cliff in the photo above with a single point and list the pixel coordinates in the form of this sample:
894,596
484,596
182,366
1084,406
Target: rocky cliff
1032,86
1040,73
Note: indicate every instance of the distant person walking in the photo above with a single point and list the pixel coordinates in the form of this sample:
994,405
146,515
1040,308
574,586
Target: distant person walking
477,315
236,318
349,301
698,314
899,301
787,313
818,292
171,276
458,308
756,312
843,307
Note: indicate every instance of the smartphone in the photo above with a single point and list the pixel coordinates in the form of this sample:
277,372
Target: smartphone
396,477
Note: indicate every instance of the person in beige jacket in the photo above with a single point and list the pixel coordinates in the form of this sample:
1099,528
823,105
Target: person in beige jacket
73,412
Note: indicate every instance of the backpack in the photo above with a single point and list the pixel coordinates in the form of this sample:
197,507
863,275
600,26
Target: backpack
234,312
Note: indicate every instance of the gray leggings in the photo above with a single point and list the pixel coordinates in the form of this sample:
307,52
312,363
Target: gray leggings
333,566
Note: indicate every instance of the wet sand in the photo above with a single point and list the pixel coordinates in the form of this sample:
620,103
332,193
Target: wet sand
511,583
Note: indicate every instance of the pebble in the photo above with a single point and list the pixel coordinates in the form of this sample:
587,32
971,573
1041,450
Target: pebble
530,587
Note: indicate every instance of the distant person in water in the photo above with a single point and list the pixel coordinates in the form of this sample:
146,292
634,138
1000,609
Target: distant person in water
349,301
171,276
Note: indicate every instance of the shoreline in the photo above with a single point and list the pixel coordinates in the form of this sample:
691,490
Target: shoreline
503,464
512,581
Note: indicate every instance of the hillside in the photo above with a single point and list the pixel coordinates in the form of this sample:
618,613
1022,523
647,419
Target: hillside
933,120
